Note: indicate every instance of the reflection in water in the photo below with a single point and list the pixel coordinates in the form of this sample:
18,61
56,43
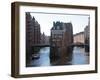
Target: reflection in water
79,57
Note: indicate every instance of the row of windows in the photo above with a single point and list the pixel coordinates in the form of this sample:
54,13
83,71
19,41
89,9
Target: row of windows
57,36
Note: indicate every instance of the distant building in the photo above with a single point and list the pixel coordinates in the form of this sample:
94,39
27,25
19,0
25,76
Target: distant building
43,38
61,38
87,35
47,40
32,34
87,32
79,37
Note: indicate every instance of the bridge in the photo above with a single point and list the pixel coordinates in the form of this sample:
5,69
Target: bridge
41,45
79,45
72,45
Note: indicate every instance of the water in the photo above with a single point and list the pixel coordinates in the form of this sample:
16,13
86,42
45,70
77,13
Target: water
79,57
44,58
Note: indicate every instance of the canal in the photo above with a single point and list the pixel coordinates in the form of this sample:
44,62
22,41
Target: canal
79,57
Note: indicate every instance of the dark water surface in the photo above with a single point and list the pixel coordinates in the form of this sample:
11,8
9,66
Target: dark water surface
79,57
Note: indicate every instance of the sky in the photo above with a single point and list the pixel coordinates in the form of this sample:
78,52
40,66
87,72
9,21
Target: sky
46,20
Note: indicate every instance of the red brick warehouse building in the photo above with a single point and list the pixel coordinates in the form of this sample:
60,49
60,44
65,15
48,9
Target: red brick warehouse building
33,34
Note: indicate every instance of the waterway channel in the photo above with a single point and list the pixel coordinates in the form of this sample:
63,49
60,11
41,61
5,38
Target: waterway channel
79,57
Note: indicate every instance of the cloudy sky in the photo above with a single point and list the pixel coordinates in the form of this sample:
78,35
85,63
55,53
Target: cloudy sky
45,20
